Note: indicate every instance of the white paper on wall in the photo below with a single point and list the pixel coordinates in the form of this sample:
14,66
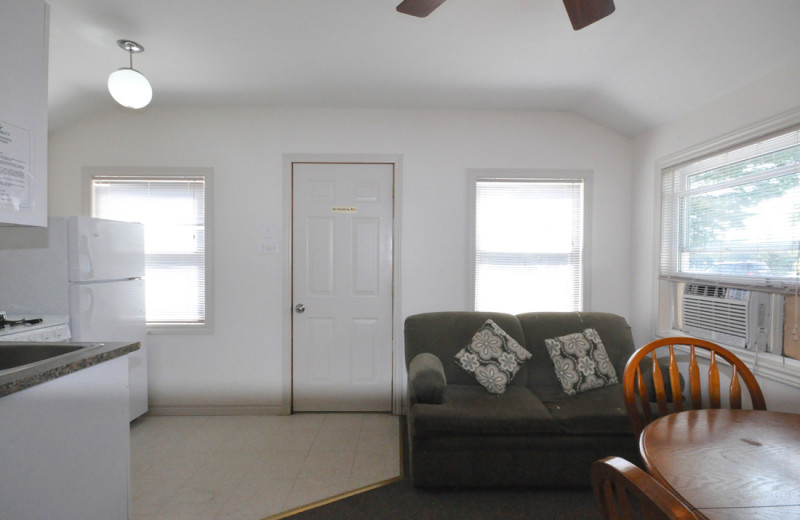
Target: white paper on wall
15,153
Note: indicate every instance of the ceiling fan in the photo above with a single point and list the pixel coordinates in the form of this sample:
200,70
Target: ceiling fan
581,12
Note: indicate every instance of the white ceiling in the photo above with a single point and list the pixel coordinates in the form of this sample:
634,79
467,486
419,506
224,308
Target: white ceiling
650,61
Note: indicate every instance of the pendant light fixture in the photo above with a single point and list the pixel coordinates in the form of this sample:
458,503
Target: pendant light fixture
127,85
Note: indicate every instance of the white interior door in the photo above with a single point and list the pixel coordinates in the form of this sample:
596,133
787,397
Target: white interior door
342,217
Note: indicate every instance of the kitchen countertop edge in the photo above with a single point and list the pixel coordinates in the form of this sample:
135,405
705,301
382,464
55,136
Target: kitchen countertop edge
26,377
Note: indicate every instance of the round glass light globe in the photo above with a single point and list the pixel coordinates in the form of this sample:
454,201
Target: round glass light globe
130,88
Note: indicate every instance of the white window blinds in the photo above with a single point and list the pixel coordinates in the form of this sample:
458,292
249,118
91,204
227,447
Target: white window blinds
172,210
734,217
529,245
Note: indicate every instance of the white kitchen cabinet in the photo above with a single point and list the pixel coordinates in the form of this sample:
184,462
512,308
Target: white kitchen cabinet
65,447
24,37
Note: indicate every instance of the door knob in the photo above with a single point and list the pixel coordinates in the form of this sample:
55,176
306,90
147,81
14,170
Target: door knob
299,308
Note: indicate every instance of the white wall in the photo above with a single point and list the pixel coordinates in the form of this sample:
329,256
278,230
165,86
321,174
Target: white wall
763,99
240,363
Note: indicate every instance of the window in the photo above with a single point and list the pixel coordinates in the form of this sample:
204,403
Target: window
730,247
173,207
734,217
529,241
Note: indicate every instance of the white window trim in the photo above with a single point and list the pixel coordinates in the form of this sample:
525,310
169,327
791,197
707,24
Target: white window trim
771,366
475,175
207,173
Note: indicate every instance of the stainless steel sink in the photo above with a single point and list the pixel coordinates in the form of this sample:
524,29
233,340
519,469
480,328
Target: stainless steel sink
14,355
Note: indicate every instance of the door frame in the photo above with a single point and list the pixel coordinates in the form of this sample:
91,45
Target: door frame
398,358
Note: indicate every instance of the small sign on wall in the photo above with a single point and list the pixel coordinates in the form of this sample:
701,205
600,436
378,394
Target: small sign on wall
344,209
15,177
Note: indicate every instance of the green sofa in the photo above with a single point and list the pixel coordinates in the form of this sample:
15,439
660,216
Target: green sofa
534,434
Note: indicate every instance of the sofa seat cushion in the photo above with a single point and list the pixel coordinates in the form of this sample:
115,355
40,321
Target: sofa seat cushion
600,411
470,410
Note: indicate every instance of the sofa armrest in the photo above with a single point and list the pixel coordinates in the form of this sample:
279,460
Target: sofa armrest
426,379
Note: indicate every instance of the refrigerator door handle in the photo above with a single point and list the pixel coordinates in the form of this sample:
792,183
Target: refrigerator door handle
88,303
86,261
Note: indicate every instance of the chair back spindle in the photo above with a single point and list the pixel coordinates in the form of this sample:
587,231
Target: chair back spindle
658,384
694,381
644,397
713,382
675,381
735,390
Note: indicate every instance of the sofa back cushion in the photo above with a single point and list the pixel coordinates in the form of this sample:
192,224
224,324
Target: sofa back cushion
445,333
614,331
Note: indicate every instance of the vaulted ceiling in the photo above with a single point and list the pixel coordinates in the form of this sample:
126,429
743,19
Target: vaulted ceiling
649,62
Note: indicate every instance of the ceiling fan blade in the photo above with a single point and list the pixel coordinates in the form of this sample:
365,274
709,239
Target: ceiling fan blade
585,12
420,8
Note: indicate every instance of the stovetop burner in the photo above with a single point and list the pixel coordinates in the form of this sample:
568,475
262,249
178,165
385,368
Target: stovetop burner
10,323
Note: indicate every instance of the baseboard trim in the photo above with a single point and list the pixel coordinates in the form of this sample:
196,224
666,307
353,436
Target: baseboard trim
275,409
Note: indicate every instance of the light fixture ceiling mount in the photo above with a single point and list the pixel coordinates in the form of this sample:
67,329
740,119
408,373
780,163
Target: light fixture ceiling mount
127,85
130,46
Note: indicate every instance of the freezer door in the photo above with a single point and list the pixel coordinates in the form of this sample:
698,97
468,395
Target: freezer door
114,311
105,249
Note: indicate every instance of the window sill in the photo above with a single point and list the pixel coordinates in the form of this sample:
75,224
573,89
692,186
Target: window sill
182,328
769,366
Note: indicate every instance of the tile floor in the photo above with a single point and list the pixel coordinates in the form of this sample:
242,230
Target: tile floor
252,467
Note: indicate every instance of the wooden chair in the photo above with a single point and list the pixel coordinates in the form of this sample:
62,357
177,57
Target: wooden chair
624,491
638,395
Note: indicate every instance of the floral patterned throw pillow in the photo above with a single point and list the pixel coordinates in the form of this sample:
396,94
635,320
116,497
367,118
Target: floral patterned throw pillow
581,362
492,357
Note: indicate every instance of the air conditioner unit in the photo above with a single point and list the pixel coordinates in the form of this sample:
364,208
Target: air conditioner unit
735,317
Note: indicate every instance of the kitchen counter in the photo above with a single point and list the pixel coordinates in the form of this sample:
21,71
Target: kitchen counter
25,376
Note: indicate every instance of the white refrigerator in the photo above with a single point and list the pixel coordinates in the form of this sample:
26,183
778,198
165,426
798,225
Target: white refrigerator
89,269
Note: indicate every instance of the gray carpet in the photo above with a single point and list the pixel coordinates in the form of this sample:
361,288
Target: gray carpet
401,500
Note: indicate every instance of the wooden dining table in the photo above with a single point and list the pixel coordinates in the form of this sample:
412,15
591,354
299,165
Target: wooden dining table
728,464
